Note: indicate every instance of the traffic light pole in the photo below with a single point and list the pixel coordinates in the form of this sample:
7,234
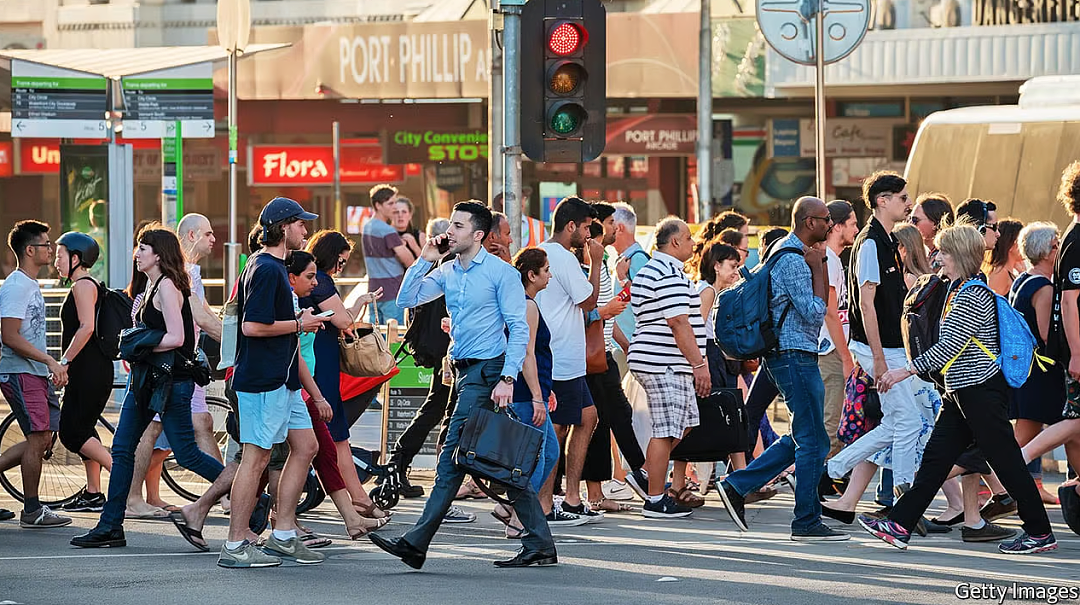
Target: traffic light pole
511,10
495,109
704,115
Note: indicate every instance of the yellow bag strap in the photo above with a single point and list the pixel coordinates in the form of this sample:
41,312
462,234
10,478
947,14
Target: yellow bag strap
948,365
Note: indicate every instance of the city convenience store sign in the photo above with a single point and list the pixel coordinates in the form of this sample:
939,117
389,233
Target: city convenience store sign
441,145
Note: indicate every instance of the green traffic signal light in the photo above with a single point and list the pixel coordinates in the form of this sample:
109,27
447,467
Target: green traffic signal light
566,119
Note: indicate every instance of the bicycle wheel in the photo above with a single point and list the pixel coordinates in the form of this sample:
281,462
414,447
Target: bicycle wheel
187,484
62,471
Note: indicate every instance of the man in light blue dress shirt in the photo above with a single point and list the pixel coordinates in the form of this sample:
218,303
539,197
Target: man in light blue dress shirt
486,300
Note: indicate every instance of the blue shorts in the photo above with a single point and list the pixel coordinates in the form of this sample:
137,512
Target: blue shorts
571,396
266,418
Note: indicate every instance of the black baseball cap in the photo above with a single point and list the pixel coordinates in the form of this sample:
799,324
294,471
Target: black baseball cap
282,209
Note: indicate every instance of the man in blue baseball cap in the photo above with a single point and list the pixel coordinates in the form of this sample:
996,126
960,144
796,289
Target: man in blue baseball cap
267,385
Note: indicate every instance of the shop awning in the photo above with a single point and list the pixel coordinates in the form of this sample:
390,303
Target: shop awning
950,61
119,62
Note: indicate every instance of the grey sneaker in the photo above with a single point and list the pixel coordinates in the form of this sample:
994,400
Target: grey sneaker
246,555
294,549
987,533
456,515
42,518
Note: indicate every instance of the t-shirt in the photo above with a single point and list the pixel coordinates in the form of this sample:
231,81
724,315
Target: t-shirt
839,283
20,298
638,257
265,364
662,291
307,341
383,267
559,305
1068,265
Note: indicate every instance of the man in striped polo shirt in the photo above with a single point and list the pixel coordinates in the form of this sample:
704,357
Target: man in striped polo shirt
385,254
667,355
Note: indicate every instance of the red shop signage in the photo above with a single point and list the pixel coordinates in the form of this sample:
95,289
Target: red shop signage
7,159
39,156
299,165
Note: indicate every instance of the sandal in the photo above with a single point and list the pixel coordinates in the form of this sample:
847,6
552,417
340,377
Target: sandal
191,535
311,540
469,491
503,518
514,532
610,506
364,530
687,497
371,511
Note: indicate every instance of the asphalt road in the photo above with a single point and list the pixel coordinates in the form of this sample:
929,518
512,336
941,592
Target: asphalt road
624,559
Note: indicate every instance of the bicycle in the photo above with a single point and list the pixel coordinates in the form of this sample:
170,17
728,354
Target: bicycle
62,472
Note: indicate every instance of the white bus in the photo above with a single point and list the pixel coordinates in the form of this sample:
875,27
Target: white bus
1012,155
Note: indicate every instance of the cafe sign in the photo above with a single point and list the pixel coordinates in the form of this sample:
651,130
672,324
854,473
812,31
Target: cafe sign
423,146
850,137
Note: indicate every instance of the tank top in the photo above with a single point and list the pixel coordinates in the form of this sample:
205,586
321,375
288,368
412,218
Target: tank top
543,365
69,324
1023,289
152,317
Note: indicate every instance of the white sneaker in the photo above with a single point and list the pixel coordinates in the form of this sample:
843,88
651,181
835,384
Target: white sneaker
457,515
617,490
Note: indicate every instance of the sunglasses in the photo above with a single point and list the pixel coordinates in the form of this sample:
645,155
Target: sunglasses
827,218
990,227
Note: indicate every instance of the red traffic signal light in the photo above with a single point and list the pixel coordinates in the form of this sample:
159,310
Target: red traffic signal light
566,38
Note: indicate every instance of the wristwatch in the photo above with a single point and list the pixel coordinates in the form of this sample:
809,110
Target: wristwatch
507,379
64,361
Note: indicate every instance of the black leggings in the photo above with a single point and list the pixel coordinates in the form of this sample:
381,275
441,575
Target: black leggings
613,415
88,389
979,415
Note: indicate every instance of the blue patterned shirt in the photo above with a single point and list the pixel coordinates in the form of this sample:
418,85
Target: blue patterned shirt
793,290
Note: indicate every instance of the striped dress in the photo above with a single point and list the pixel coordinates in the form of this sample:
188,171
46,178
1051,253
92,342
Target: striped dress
660,291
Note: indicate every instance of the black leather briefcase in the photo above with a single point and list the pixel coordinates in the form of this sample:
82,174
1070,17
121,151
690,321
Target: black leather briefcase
496,446
722,430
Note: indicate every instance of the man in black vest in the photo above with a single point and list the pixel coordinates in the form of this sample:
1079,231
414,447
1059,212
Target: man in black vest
876,288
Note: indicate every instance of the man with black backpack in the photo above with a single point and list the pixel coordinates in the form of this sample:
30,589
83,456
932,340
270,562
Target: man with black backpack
798,289
877,290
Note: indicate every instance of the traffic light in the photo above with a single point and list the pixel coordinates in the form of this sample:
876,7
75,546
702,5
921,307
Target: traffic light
563,80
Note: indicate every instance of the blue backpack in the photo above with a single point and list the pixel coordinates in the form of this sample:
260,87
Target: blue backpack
744,326
1019,349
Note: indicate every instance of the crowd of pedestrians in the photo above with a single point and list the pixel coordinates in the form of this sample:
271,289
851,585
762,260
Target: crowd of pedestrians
569,338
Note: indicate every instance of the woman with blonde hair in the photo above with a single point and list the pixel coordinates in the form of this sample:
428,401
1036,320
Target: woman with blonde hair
976,403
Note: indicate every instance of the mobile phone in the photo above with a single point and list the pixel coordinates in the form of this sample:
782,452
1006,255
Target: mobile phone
624,294
326,313
443,246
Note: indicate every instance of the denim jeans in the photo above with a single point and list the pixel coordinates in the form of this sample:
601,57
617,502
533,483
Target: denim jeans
796,376
884,494
388,310
474,385
549,450
176,422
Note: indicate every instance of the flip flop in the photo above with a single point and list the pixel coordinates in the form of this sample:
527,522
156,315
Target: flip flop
155,514
314,541
172,508
504,520
189,534
514,533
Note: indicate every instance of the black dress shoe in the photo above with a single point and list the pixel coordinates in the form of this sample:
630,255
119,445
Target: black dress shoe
401,549
525,558
100,537
956,520
847,517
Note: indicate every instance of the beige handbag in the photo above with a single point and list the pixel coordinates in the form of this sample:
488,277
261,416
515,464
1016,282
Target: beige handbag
368,354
